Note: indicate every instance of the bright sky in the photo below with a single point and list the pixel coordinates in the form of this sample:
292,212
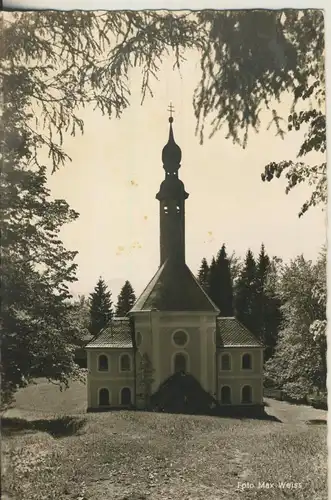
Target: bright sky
116,172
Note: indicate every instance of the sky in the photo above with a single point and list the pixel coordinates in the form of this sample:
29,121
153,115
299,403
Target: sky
116,171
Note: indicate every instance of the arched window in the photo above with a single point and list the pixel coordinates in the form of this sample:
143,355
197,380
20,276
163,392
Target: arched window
180,363
226,395
246,363
103,363
180,338
103,397
246,394
125,363
226,362
126,396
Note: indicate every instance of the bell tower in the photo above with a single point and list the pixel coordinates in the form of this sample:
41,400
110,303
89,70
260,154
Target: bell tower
172,196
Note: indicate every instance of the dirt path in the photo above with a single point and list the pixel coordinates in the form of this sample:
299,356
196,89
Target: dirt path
289,413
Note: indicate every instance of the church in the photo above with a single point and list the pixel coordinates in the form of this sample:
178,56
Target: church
173,327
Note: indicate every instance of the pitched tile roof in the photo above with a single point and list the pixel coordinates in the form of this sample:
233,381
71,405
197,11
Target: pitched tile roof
231,333
117,335
174,288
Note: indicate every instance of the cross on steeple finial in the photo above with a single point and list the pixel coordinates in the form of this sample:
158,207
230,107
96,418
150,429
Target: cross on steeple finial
171,110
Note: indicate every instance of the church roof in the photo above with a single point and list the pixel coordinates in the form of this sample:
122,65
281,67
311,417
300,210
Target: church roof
231,333
174,288
117,335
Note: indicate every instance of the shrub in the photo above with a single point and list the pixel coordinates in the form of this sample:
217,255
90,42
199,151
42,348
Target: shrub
182,393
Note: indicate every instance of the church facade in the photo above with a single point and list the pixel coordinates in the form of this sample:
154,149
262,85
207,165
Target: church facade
173,327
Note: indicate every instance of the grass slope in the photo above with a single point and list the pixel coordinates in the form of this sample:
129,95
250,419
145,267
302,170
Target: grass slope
139,456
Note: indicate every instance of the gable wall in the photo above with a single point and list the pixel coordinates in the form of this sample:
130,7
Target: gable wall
157,329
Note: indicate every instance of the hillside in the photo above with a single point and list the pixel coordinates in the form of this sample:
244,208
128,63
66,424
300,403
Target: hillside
136,455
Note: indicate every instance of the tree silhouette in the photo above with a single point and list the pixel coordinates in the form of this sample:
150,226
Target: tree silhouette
125,300
249,59
100,307
246,294
220,283
203,275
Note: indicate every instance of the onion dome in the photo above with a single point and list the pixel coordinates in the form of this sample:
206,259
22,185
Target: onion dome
171,153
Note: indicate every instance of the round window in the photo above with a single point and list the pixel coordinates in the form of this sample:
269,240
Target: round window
180,338
138,339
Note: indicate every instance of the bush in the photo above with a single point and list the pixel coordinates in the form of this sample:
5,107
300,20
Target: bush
296,392
182,393
318,401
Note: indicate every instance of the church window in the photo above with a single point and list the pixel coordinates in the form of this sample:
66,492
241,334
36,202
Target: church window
246,394
125,363
166,209
103,397
226,395
180,338
246,363
225,362
103,363
126,396
180,363
178,209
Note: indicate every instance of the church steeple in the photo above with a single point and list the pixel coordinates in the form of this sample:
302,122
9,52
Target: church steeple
171,153
172,196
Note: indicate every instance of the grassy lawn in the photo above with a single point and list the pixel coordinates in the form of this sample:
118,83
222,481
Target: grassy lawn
135,455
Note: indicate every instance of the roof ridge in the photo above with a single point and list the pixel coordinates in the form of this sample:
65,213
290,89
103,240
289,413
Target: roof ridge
156,275
202,290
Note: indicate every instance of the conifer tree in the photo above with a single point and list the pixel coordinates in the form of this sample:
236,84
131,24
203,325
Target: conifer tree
125,300
220,289
246,294
268,314
226,288
213,280
100,307
203,275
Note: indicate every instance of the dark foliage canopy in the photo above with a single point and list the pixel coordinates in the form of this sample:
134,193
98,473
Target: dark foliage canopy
100,307
59,62
125,300
220,283
182,393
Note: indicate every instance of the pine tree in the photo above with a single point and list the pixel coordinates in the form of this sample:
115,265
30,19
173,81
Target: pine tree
246,294
213,281
100,307
262,269
125,300
267,305
220,289
203,275
225,301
